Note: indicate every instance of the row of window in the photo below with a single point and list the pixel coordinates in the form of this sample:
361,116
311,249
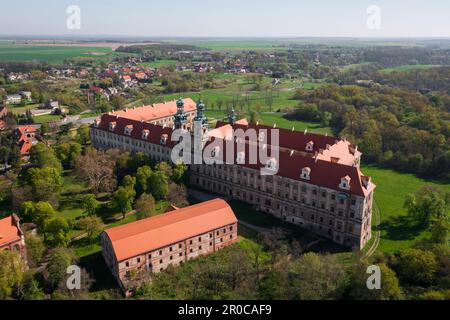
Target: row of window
269,179
191,250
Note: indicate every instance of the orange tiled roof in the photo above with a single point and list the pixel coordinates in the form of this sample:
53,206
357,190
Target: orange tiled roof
150,234
8,231
155,111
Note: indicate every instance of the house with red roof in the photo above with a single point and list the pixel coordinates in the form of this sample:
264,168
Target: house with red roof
11,236
171,239
26,138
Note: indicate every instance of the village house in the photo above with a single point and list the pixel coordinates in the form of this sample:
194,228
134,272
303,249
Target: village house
26,138
11,236
170,239
13,99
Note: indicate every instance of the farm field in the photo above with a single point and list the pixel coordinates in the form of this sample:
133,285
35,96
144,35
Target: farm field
398,230
158,63
408,67
235,44
52,54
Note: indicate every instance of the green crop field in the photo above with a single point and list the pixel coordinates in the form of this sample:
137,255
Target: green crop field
398,230
158,63
52,54
233,44
408,67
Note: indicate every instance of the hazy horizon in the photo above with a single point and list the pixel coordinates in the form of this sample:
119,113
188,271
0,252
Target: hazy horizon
234,19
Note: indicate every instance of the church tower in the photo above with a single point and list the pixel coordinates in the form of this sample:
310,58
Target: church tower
232,117
201,123
180,118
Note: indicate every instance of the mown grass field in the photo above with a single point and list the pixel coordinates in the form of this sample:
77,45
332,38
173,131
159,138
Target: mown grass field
398,230
52,54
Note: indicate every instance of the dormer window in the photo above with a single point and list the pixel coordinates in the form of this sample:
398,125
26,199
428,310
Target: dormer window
366,181
306,173
128,130
215,152
261,136
112,126
164,138
310,146
271,164
345,183
145,133
240,158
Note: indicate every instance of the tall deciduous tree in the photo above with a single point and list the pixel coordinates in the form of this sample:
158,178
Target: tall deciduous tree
123,200
143,175
11,273
159,185
42,156
92,226
97,169
145,206
90,204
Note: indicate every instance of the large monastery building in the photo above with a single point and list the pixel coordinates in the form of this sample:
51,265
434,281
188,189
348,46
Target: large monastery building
317,182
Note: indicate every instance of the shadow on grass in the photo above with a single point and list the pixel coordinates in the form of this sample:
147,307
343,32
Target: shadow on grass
96,266
402,228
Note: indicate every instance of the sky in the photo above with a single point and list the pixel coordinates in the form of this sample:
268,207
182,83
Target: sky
229,18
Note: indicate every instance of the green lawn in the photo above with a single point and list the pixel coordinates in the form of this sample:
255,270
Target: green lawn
46,118
398,230
408,67
21,109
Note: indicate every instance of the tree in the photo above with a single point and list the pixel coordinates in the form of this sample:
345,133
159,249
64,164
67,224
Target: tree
316,277
35,249
57,265
145,206
11,273
427,203
92,226
143,175
89,203
165,168
97,169
159,185
38,212
30,289
68,152
357,285
129,182
83,135
416,266
46,183
439,231
178,195
179,172
57,232
123,200
42,156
